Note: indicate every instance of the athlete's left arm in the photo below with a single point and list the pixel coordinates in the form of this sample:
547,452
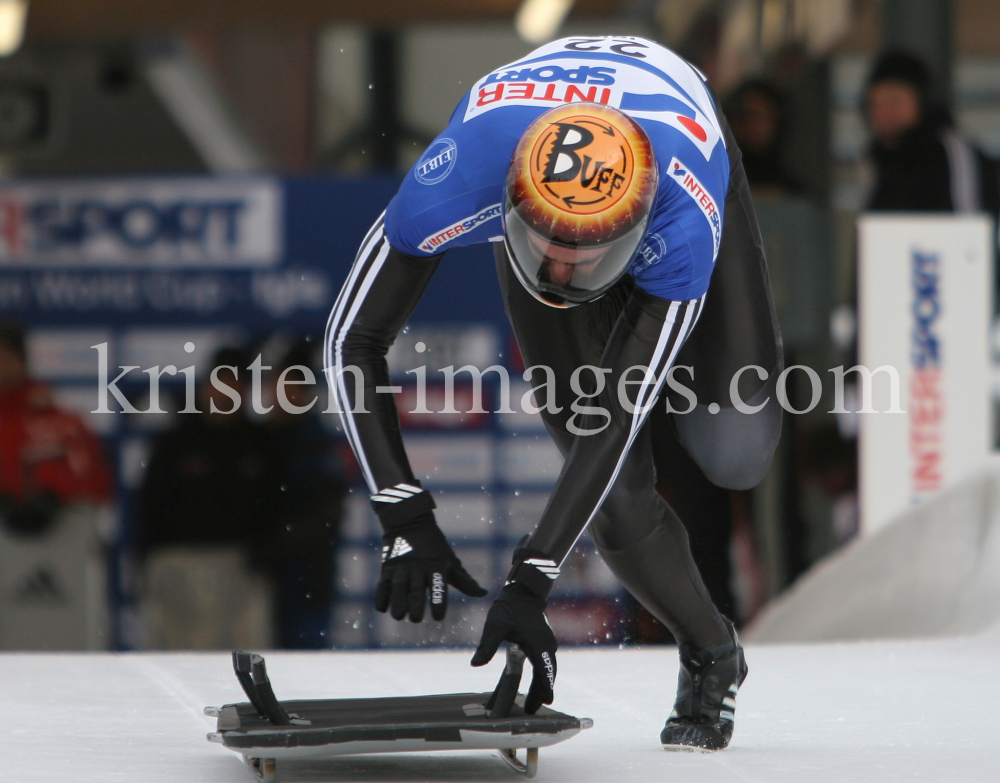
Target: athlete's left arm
641,350
636,361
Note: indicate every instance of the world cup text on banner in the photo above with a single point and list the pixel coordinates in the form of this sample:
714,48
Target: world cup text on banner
191,222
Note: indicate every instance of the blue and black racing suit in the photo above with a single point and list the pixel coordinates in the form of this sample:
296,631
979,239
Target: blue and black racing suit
696,294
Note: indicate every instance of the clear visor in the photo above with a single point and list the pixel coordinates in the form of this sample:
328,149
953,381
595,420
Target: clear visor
575,274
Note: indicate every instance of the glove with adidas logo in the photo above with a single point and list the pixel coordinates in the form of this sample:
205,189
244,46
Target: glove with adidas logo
416,560
518,616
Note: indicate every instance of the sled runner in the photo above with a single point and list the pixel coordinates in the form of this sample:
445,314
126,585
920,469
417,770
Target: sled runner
265,730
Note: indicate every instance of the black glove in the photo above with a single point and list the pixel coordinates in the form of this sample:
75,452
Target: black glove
416,558
518,616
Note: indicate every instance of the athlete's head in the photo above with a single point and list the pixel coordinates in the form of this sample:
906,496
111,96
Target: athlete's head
580,189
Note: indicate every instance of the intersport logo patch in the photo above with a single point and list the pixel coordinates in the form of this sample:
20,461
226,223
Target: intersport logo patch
693,187
463,226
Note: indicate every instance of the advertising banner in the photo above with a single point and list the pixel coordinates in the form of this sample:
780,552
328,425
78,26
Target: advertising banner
140,223
925,289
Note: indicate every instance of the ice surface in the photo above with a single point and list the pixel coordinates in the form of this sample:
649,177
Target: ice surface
861,712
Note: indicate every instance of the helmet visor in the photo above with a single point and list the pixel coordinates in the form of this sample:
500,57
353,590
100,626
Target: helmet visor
567,272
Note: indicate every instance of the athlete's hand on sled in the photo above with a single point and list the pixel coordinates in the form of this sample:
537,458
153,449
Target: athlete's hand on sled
417,559
518,617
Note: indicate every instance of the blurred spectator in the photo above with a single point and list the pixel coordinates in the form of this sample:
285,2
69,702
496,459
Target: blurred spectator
269,488
829,463
756,115
48,459
202,515
922,163
303,528
55,490
209,479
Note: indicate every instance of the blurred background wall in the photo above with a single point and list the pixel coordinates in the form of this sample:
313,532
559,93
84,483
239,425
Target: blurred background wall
299,118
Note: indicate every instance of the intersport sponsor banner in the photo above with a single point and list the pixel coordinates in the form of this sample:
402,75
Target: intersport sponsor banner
925,284
183,222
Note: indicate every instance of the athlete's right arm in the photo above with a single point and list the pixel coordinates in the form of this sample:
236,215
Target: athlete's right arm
381,292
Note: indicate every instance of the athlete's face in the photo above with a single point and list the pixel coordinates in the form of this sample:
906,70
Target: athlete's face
893,108
560,264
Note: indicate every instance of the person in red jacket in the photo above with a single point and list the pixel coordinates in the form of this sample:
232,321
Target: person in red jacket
48,458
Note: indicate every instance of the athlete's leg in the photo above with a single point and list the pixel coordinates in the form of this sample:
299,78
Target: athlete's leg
637,534
738,328
646,546
706,510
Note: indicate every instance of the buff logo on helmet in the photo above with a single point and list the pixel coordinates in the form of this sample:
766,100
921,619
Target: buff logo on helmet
585,168
582,164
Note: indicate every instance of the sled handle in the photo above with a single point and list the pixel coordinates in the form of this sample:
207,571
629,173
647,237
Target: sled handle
502,700
252,674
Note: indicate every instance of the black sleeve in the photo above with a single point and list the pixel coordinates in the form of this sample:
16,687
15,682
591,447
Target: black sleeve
381,292
648,335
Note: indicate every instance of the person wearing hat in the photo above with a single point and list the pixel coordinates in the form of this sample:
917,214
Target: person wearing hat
626,244
922,163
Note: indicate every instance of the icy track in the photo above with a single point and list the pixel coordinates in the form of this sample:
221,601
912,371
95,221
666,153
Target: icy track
856,712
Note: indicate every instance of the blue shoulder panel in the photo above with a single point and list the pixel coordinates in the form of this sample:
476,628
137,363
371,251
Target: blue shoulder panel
453,195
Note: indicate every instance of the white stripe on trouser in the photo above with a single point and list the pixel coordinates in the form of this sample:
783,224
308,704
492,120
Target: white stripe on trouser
649,391
337,328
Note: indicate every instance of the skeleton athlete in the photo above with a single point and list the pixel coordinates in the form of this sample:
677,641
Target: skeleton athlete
625,239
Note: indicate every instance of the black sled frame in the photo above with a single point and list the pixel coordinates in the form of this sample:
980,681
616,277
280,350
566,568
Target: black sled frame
266,730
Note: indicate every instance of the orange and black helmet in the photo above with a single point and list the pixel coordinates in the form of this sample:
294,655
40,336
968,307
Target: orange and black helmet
580,189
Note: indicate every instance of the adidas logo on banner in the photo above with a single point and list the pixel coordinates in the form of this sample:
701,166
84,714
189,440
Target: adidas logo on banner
41,586
396,493
399,547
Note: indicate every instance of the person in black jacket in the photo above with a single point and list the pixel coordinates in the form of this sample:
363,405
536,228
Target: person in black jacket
211,478
302,529
922,163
